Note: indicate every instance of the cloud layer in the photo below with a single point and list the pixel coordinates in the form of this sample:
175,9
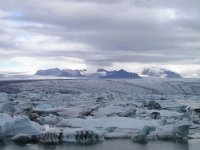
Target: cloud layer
99,33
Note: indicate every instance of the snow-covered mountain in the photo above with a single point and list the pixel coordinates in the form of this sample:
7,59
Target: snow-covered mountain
160,73
49,72
101,73
117,74
59,72
105,74
71,73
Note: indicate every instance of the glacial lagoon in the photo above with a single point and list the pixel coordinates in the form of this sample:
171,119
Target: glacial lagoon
108,145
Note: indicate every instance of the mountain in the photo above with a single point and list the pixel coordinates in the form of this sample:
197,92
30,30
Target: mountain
160,73
120,74
102,70
71,73
58,72
49,72
101,73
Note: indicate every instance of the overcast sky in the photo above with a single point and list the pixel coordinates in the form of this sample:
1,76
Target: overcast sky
111,34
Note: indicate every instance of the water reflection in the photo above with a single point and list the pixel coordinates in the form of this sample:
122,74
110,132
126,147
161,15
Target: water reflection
108,145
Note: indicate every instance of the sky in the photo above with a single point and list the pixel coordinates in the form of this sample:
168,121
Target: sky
91,34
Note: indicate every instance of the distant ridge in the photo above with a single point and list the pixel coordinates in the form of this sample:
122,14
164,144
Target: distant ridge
120,74
59,72
101,73
113,74
160,73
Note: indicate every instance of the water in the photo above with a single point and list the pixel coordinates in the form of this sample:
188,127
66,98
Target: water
109,145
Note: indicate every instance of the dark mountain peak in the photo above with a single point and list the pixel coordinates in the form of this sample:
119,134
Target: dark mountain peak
101,73
118,74
122,70
101,70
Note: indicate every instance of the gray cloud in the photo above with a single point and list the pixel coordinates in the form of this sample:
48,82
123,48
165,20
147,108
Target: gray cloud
136,31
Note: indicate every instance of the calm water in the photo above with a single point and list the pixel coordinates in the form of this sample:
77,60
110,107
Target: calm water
110,145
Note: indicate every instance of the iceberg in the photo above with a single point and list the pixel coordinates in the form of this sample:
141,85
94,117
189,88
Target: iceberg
10,126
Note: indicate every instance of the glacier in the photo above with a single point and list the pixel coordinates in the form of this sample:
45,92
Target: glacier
88,111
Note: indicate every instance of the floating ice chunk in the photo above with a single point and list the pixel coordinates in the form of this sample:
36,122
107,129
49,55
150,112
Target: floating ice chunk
18,125
50,137
7,106
45,109
50,119
22,124
119,122
166,113
4,119
152,105
82,136
40,106
69,136
118,133
176,132
3,97
141,136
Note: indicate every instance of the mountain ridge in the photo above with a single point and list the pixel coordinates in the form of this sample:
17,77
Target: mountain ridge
113,74
101,73
160,73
